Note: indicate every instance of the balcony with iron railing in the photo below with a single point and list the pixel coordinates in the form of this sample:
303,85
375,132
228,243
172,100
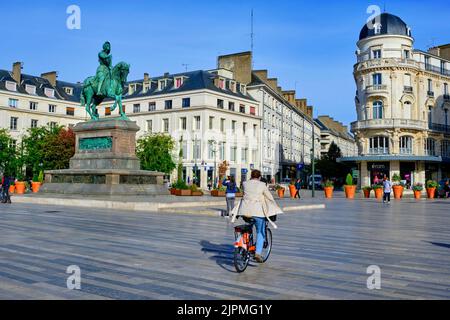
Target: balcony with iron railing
435,69
407,89
437,127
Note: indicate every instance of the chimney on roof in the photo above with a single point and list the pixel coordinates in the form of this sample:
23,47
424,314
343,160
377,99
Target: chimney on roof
17,71
51,77
166,75
238,63
146,77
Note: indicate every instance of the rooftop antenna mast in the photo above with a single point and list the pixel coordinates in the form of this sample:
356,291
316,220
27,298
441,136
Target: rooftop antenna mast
252,38
185,65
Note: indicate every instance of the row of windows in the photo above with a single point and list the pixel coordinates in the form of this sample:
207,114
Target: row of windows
218,150
196,125
380,145
14,103
34,123
185,103
377,82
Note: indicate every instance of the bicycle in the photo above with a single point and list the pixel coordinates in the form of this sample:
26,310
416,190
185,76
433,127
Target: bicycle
245,244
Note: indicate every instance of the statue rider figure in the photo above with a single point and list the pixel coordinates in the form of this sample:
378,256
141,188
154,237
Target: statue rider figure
105,60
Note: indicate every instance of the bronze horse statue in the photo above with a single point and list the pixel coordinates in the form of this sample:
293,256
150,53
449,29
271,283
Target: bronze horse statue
112,87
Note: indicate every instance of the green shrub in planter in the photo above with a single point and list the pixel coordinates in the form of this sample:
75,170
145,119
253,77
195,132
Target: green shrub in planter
432,184
418,187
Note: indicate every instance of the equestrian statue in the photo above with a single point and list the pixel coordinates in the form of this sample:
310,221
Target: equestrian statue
109,83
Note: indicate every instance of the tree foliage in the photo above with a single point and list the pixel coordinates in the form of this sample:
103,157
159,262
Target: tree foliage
47,148
8,159
155,153
330,168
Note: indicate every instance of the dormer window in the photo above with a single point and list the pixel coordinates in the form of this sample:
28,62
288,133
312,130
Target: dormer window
233,86
221,83
49,92
11,86
408,31
162,84
377,28
131,89
243,88
68,91
146,87
30,89
178,82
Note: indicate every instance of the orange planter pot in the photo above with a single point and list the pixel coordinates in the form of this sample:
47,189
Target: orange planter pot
431,193
20,187
417,194
35,186
350,192
12,189
172,191
398,192
328,192
379,193
183,193
366,193
217,193
292,190
280,193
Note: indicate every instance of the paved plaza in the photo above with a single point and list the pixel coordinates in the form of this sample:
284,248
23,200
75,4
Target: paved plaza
318,254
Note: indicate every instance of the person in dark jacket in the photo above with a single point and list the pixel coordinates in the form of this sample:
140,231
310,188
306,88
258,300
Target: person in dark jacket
230,183
298,186
6,183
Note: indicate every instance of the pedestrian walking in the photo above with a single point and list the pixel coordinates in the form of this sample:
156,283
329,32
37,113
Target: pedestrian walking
6,183
447,188
298,187
230,183
387,189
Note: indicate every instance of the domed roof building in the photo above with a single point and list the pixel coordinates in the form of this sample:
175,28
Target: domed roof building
402,104
385,24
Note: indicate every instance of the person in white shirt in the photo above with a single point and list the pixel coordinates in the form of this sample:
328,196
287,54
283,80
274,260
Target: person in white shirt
387,189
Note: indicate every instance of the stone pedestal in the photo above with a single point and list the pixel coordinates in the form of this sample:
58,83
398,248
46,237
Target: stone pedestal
105,163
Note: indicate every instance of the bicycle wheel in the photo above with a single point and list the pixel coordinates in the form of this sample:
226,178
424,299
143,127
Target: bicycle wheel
241,259
267,248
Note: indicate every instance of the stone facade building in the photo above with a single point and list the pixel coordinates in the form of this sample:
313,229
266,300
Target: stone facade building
402,104
287,126
334,131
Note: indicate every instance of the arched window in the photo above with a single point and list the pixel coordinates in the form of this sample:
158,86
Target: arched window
406,145
445,148
379,145
430,147
407,110
378,110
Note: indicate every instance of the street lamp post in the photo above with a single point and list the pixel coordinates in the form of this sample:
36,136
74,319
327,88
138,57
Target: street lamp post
214,152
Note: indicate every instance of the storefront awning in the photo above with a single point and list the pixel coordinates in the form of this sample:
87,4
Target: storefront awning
390,158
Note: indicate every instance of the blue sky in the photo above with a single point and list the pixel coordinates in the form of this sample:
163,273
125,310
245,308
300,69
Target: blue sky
307,45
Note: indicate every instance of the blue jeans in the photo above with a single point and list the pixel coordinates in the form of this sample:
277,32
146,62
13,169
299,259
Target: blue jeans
260,224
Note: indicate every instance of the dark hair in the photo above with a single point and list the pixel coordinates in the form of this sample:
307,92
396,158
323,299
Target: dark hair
256,174
232,179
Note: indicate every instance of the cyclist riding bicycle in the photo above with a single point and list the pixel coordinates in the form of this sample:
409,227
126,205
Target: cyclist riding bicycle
258,204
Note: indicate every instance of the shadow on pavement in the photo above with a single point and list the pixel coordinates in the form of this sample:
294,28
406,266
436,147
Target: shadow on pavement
444,245
223,254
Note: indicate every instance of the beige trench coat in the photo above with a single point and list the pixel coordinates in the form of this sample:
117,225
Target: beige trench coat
257,202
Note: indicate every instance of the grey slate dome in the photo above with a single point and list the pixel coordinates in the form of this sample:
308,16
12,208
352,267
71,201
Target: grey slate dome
390,24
